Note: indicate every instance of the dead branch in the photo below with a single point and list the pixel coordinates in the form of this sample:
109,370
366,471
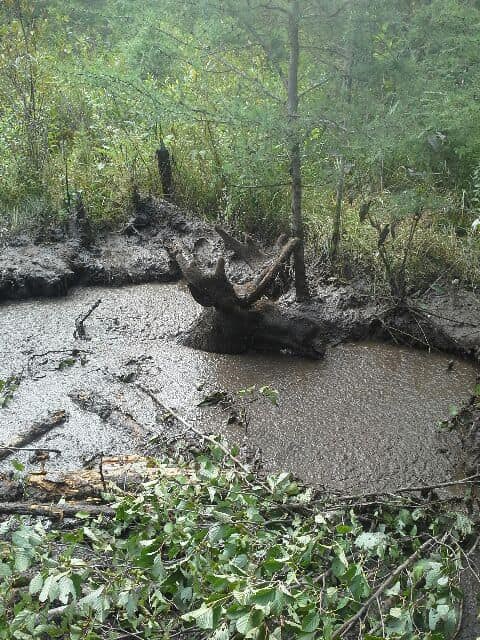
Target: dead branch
189,426
473,479
36,431
80,332
33,450
73,353
59,511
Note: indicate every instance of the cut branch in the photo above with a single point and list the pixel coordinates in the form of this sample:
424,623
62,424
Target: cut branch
59,511
341,631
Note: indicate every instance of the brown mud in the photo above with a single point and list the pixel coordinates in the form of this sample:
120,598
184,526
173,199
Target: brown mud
362,418
447,321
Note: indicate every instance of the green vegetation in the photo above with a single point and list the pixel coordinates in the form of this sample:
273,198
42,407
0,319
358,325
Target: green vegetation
7,390
216,553
388,110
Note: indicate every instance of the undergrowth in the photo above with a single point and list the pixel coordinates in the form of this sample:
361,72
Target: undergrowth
215,552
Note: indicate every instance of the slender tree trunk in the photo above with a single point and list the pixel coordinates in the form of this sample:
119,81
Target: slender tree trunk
301,285
337,217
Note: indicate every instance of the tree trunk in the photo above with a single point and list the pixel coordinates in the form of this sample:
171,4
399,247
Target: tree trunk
301,285
337,218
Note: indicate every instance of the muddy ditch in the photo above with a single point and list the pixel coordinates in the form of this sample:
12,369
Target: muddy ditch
364,418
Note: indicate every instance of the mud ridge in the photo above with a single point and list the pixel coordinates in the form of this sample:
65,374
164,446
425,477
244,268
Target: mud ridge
144,253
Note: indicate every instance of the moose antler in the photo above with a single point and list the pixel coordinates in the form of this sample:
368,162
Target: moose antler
215,290
236,319
248,251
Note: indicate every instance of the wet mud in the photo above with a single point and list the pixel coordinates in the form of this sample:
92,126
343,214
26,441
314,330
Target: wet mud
442,319
363,418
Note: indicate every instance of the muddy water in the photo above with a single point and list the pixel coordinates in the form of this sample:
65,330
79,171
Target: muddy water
363,418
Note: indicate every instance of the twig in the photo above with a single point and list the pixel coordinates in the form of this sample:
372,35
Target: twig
474,546
70,352
100,470
428,312
348,624
34,449
190,427
37,430
458,628
80,332
440,485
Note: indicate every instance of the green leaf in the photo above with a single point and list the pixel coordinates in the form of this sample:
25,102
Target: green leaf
205,617
221,633
64,364
311,622
65,589
50,589
369,541
441,612
91,600
270,393
249,622
453,411
36,584
17,465
22,560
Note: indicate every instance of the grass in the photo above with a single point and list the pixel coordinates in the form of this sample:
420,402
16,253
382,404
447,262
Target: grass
105,173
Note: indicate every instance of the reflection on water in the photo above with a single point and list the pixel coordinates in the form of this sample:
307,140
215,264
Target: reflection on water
363,417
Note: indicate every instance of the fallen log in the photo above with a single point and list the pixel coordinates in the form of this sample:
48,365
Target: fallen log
239,317
113,473
36,431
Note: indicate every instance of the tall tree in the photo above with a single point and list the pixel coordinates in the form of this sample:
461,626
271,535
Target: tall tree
259,45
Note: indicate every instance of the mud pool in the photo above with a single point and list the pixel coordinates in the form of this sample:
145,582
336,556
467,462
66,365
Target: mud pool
363,418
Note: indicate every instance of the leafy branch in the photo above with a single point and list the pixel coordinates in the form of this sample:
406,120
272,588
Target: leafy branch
215,552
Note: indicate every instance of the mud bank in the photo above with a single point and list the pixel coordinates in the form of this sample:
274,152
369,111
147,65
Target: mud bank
448,321
364,418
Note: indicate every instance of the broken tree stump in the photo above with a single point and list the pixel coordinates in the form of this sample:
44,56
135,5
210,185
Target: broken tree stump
242,317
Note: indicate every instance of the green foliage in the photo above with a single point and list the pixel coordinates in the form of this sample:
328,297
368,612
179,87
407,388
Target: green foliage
88,91
220,552
7,390
266,391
